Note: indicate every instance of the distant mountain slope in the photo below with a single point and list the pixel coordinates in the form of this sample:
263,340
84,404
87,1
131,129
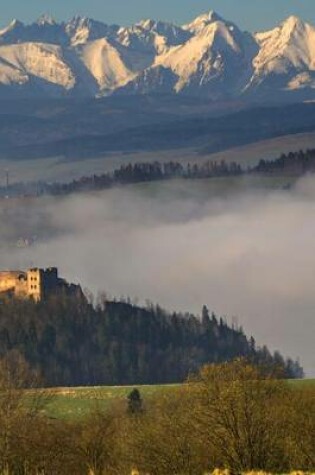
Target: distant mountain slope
84,129
208,57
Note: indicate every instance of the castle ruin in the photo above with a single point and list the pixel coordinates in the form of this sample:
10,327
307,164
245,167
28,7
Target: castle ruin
35,283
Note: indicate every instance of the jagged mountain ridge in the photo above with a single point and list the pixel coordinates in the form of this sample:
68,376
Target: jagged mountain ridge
210,57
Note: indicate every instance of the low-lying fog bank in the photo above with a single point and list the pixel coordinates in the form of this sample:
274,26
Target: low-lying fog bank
247,255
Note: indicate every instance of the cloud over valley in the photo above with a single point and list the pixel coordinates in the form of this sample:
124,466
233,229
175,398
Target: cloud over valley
248,253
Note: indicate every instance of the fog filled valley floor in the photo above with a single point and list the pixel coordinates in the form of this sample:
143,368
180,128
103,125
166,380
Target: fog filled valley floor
243,246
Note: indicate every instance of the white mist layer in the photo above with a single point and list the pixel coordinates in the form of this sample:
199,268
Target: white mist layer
248,256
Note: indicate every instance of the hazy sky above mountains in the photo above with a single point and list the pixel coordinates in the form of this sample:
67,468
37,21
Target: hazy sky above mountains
248,14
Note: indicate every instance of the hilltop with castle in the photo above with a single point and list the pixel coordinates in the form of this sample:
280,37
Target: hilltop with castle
37,284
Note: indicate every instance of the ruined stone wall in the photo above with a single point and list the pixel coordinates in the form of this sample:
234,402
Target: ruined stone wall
10,279
22,284
36,283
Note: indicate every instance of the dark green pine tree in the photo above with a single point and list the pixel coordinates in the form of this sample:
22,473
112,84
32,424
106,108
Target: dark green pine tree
135,402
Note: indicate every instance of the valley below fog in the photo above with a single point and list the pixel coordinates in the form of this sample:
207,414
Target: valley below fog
245,251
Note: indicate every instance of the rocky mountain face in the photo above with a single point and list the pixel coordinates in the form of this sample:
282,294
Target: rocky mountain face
208,57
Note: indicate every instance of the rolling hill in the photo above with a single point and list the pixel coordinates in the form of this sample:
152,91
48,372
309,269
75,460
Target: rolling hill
95,128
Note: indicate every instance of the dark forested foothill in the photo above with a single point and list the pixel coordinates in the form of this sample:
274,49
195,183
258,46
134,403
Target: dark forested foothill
124,175
71,342
293,164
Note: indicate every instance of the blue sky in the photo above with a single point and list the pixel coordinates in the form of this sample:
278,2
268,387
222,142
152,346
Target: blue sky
248,14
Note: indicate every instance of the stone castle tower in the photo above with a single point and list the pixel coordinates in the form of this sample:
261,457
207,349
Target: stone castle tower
35,283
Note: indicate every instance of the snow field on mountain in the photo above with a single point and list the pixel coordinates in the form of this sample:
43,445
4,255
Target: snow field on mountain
209,56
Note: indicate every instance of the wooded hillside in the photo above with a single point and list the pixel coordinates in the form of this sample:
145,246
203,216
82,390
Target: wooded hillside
72,343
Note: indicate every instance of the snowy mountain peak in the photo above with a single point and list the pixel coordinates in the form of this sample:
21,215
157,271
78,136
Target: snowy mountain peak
81,21
147,24
286,57
209,56
152,37
293,22
14,24
202,21
46,20
210,17
172,33
80,30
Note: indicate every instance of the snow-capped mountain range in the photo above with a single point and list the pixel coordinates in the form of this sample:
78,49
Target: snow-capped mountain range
210,56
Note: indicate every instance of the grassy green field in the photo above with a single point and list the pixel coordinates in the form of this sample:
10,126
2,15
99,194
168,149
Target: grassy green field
301,383
73,403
